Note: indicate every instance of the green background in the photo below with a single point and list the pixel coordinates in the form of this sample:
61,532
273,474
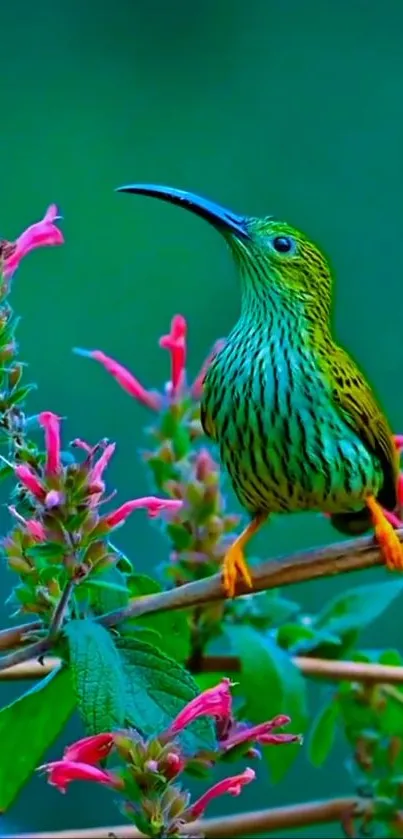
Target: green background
290,108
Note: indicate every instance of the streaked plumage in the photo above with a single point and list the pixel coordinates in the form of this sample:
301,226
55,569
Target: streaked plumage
297,424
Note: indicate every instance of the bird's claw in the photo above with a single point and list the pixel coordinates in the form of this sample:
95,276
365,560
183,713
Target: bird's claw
234,568
390,545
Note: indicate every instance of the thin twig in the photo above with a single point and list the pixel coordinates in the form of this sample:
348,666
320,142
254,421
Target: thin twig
317,668
242,824
61,609
15,637
340,558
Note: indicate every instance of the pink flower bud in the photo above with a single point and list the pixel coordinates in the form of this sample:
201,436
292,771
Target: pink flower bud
392,518
232,786
214,702
90,749
151,766
51,424
53,498
172,765
42,233
62,772
205,465
175,343
153,505
398,441
124,378
30,480
33,527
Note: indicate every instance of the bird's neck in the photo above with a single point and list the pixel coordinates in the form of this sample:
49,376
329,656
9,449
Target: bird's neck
271,309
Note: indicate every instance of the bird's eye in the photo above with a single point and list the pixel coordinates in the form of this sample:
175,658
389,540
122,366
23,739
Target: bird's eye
282,244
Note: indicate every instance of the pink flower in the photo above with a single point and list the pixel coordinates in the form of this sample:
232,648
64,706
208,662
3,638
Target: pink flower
214,702
33,527
398,441
62,772
90,749
232,786
41,233
30,480
126,380
175,343
81,444
260,734
392,518
197,386
98,469
153,505
51,424
205,465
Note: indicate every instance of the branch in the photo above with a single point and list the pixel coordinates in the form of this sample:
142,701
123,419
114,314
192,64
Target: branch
318,668
340,558
244,824
16,636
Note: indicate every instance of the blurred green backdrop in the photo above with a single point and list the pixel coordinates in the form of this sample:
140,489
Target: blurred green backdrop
291,108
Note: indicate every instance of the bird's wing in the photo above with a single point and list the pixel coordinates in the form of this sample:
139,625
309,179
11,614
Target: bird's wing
356,402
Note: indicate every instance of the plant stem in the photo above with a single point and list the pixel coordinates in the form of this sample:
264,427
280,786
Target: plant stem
242,824
340,558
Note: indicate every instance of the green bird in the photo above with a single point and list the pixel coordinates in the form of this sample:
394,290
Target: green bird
297,424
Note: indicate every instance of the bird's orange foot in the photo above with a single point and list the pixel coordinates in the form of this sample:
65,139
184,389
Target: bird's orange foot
234,568
386,536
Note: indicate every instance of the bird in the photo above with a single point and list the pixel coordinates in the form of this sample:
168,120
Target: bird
296,422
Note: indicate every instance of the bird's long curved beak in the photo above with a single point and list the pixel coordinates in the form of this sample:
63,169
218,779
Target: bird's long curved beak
219,217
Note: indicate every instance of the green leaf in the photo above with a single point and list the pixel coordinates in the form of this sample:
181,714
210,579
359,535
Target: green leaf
98,676
6,471
358,607
265,609
172,627
28,727
108,591
299,639
157,689
20,394
322,733
271,685
46,550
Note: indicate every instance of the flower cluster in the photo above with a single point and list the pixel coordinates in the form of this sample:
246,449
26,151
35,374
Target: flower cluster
180,465
63,518
147,778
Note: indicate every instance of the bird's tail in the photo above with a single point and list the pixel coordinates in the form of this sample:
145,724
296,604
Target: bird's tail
353,523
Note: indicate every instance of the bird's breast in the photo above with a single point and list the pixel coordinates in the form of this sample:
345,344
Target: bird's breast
282,440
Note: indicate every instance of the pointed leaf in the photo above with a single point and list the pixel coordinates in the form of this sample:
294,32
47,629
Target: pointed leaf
173,627
107,591
46,550
157,689
98,677
323,732
28,727
358,607
271,685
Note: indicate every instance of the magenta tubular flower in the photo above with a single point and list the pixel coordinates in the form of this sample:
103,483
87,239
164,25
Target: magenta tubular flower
30,480
40,234
392,518
230,786
261,734
125,379
51,425
90,749
214,702
197,386
95,475
175,343
62,772
398,441
33,527
151,503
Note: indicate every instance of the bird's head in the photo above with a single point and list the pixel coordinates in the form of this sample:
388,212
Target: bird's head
274,258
